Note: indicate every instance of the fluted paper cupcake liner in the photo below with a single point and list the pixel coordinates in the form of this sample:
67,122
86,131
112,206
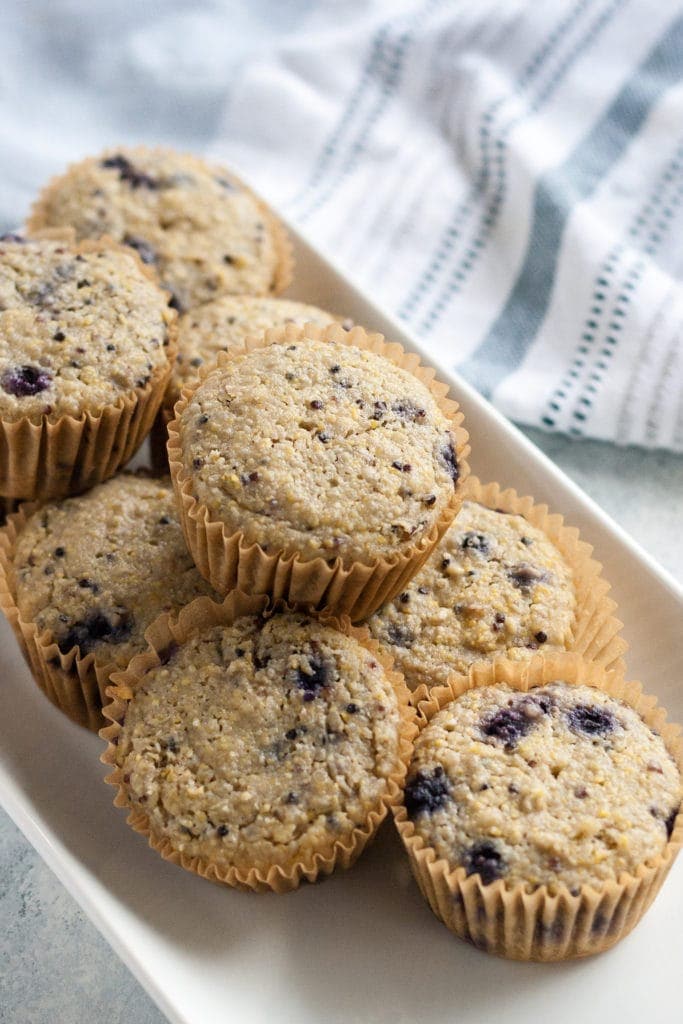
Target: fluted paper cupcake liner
44,458
231,562
596,629
203,614
506,919
7,506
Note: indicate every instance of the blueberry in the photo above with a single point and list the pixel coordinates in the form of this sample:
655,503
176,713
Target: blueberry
142,248
222,830
510,724
316,679
95,627
175,303
523,576
10,237
591,720
399,636
22,381
473,541
484,859
450,461
407,410
128,173
426,792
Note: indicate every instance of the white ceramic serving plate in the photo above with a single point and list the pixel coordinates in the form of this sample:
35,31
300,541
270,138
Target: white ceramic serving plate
361,946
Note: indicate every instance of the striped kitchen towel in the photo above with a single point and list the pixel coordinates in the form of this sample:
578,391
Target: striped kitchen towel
507,177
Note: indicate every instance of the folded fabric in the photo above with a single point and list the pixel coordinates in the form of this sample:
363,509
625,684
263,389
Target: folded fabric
506,177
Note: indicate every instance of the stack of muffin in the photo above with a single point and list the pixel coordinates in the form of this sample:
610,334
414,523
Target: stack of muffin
319,614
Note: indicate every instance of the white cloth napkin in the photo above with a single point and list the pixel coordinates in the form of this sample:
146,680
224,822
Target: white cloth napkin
505,176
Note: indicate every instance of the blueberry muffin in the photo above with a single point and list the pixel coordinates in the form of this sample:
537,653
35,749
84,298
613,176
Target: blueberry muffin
316,468
197,225
495,585
563,785
225,324
91,573
257,751
319,449
85,338
541,807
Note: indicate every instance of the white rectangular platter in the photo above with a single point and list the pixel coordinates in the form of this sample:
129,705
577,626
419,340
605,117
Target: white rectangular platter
362,946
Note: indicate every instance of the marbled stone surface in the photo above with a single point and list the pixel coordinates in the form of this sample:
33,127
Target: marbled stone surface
55,968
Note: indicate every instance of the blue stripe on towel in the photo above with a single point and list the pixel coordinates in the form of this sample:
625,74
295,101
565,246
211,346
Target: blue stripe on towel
512,333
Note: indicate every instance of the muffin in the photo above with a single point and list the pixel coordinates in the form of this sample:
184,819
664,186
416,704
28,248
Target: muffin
85,342
257,752
197,225
506,580
225,324
314,467
83,579
568,790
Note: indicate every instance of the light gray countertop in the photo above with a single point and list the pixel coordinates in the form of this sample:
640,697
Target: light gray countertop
54,965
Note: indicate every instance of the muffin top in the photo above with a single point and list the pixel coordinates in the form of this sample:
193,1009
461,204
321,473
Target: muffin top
98,569
224,324
203,231
261,742
80,328
319,448
495,585
564,784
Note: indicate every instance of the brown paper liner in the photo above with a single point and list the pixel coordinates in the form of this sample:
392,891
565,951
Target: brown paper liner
596,629
73,684
203,614
7,506
284,272
232,562
43,459
506,919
